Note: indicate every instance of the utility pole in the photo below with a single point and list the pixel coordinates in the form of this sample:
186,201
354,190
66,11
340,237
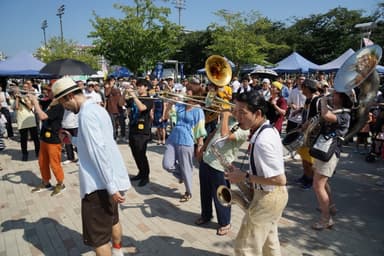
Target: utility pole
60,13
44,25
179,4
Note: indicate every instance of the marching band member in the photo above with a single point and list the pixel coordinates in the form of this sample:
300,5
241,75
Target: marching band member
180,145
211,172
258,233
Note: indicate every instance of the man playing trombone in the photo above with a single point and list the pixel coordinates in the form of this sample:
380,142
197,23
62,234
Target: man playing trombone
140,123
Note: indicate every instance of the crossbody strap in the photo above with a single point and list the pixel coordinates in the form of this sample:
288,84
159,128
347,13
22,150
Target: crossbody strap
253,166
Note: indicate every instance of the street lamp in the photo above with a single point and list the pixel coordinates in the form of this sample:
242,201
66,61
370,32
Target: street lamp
44,25
366,29
60,13
179,4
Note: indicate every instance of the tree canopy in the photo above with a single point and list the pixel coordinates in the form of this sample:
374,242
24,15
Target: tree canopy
144,36
61,49
140,39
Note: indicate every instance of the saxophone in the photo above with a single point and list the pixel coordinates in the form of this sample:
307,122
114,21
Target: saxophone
225,195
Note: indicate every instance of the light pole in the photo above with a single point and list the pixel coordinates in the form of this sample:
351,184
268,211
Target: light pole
44,25
366,29
179,4
60,13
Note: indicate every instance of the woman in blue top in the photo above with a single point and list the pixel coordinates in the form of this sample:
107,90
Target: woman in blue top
188,131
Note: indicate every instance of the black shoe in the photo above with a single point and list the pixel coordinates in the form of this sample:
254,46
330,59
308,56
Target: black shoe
143,182
137,177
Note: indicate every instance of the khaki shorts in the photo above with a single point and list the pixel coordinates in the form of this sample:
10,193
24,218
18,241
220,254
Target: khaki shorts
304,154
326,168
99,213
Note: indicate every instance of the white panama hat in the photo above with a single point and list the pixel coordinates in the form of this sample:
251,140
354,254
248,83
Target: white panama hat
63,86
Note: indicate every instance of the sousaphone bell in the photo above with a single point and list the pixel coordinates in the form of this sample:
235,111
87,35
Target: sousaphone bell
359,70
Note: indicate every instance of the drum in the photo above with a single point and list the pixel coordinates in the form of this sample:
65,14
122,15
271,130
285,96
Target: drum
293,141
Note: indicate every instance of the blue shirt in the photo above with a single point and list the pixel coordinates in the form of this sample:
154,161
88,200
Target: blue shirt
101,163
189,126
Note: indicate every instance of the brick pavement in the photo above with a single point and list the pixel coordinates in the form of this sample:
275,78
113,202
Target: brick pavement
155,223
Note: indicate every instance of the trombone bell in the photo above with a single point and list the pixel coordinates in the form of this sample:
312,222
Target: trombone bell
218,70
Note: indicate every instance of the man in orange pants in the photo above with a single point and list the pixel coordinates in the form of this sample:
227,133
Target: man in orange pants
50,147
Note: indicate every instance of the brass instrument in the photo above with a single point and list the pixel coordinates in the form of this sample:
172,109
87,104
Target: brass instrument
215,105
360,70
218,70
225,195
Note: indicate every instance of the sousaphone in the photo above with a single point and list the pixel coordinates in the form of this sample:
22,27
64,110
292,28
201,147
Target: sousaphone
218,70
359,70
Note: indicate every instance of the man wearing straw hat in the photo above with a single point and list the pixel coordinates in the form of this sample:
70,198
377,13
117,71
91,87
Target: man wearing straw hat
102,174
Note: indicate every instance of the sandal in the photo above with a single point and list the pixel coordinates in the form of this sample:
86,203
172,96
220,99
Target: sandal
323,224
332,209
185,198
200,221
223,230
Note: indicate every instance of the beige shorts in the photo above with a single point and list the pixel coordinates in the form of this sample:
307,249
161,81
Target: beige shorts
326,168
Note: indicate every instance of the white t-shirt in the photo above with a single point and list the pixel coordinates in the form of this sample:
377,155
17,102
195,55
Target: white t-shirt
70,120
94,97
3,99
296,97
267,154
235,85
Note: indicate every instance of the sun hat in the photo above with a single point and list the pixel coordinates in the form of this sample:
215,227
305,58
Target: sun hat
278,85
266,80
63,86
324,83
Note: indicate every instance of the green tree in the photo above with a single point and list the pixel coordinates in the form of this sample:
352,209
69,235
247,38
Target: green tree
57,49
140,39
194,52
242,38
323,37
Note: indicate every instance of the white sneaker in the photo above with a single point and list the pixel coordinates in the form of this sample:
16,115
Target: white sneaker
117,252
66,162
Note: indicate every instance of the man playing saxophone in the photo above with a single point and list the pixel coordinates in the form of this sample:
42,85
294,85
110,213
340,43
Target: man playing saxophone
258,233
211,170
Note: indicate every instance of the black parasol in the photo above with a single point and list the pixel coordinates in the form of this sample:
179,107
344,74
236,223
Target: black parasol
264,73
67,67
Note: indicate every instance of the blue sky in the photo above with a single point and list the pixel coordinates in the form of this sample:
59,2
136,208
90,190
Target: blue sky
20,20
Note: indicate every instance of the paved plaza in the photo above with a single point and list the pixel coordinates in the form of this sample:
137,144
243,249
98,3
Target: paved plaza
156,223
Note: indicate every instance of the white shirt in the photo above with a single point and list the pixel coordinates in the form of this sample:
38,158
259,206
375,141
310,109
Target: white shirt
101,163
3,99
267,154
93,96
70,120
296,97
235,85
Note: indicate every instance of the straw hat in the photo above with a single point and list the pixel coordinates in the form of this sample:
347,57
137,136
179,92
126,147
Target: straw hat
63,86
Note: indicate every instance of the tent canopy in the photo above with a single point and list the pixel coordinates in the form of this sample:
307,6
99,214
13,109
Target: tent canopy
335,64
22,64
294,63
121,72
380,69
